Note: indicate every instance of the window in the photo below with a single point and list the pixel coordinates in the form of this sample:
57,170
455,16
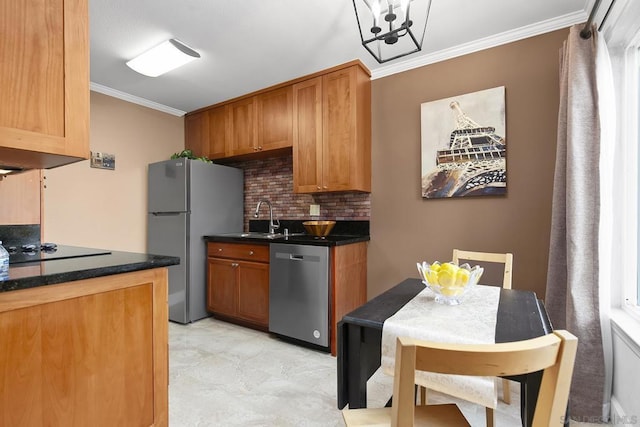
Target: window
622,34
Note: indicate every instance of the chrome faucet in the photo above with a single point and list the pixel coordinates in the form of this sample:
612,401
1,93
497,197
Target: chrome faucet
272,227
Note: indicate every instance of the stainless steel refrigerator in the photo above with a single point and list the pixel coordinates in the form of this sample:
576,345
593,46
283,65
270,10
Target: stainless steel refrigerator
189,199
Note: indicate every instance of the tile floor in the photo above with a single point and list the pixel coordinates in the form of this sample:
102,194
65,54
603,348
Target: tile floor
225,375
221,374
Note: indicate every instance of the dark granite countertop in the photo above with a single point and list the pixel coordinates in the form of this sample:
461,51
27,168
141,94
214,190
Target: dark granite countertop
53,271
344,233
330,240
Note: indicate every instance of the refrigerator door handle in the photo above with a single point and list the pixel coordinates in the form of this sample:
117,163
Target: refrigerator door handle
166,213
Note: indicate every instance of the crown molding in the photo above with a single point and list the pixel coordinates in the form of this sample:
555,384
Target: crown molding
398,67
482,44
135,99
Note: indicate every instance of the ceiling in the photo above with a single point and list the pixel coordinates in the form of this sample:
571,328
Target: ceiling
246,45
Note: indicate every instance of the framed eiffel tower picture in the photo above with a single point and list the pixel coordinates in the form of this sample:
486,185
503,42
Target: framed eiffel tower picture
464,145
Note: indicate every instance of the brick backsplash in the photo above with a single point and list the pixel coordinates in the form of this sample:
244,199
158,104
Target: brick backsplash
272,179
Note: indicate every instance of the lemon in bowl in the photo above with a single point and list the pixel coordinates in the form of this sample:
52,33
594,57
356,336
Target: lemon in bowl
449,281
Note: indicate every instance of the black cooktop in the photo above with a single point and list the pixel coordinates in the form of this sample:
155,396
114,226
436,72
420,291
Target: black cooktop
48,251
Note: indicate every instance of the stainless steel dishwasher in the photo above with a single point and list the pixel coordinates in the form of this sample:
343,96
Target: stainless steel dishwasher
299,292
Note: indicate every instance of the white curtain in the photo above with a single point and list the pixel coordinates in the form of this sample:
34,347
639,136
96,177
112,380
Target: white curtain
579,254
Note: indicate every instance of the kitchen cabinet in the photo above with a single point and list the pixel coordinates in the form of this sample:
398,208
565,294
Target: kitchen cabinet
21,194
328,113
218,132
196,133
242,122
261,123
206,133
275,119
332,132
90,352
348,283
238,282
44,82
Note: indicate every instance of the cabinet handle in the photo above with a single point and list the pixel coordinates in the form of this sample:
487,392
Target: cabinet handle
325,187
260,148
219,249
250,252
234,264
255,148
318,187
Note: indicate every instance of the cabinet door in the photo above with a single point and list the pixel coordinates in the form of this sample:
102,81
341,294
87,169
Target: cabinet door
338,129
218,132
307,136
275,119
242,120
196,133
253,292
25,192
44,82
221,286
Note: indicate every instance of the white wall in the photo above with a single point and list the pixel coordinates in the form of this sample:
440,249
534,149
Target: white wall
100,208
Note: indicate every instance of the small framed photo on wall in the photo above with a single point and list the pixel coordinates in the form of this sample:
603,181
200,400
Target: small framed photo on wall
464,145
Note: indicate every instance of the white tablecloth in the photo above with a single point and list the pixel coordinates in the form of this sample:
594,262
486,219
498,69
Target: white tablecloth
472,322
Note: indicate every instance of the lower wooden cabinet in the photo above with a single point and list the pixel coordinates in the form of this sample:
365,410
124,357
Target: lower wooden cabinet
238,282
91,352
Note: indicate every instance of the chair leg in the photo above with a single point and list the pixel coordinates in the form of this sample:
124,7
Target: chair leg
506,392
490,417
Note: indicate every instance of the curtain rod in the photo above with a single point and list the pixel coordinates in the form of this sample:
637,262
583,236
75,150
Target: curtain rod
586,30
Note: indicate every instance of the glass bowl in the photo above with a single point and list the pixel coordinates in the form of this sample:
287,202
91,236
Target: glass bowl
449,281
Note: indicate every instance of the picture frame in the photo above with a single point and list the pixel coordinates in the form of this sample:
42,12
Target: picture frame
463,145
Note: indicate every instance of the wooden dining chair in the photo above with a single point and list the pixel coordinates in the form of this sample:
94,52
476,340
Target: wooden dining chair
485,257
554,354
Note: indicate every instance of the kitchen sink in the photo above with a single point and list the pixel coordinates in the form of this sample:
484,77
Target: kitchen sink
261,235
254,235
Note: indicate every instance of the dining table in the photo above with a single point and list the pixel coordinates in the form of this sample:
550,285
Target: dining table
520,315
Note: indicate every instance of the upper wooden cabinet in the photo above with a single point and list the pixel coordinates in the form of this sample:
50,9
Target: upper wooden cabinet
260,123
332,132
307,147
206,133
275,119
325,117
242,121
44,82
218,132
196,133
24,190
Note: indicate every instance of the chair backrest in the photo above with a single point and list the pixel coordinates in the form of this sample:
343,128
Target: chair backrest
506,259
554,354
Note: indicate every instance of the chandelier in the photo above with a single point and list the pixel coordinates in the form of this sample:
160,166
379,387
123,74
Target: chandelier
390,29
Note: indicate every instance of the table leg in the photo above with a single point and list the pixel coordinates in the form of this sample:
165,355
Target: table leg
529,389
342,363
356,380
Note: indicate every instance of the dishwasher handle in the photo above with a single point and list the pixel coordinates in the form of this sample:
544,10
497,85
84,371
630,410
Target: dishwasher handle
288,256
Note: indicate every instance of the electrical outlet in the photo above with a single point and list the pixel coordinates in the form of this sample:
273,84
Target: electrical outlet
314,210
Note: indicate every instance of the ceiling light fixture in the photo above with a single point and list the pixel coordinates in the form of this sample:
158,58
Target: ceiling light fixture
163,58
391,29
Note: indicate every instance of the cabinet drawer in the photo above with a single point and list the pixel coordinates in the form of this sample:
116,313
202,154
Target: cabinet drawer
251,252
